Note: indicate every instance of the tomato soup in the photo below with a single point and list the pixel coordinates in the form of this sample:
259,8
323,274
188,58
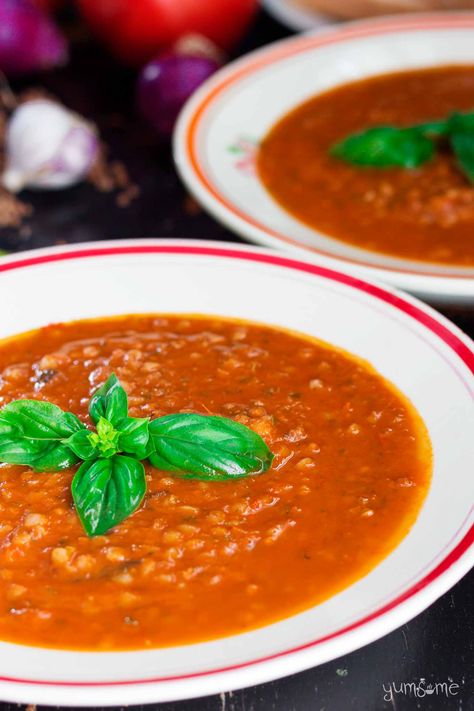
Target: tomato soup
202,559
423,214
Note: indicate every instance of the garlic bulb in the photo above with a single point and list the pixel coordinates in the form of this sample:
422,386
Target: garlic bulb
47,146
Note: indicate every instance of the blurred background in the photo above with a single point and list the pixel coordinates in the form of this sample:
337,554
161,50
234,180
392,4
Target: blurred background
90,91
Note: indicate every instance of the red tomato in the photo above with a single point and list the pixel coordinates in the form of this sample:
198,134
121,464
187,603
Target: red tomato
136,29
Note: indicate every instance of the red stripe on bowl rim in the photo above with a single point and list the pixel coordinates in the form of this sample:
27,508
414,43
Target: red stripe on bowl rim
414,311
289,48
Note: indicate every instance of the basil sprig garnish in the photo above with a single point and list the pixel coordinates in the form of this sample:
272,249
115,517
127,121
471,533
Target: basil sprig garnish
110,483
411,146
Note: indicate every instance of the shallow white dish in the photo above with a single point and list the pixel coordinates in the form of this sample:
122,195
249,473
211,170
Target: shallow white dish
428,358
296,18
218,133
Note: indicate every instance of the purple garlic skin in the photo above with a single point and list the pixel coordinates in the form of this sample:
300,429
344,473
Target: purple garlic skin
166,83
29,39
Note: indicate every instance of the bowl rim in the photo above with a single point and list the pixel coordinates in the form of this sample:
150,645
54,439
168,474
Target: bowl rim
410,602
194,175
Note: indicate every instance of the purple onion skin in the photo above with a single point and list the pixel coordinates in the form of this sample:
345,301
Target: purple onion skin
29,39
165,84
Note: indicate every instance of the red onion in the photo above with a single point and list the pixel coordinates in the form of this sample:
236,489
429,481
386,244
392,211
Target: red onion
29,39
165,84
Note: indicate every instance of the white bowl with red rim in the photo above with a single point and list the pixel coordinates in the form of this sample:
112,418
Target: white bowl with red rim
219,130
423,354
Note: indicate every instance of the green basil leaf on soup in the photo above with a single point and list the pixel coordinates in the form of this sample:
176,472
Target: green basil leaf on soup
33,433
109,402
40,420
42,455
386,147
456,121
463,147
81,445
461,123
207,447
134,436
107,491
434,129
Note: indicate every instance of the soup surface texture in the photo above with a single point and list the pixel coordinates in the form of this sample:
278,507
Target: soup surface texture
424,214
200,560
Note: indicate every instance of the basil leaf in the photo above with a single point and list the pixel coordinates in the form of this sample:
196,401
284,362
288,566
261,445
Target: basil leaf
461,123
463,147
109,401
433,128
40,455
207,447
107,491
33,433
81,445
40,420
134,436
386,147
444,127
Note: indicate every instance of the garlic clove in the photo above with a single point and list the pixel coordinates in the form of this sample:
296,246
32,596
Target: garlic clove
47,147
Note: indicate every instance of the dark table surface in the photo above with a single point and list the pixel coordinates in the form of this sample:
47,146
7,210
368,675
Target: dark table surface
436,646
